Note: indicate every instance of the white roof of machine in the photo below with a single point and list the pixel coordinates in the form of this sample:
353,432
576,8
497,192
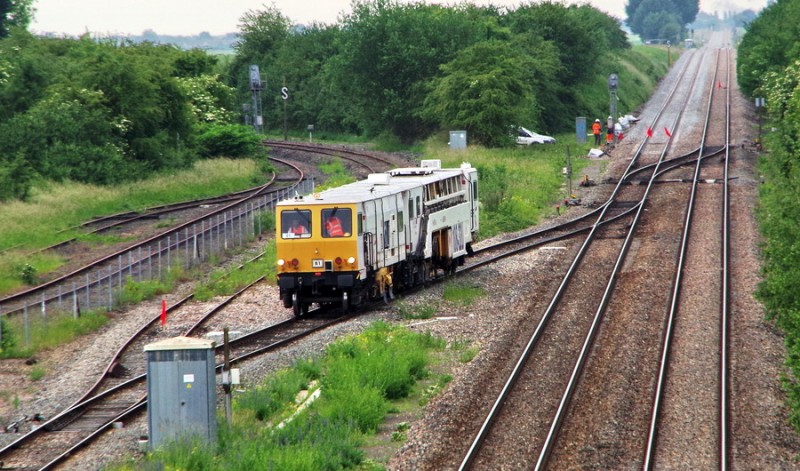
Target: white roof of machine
402,179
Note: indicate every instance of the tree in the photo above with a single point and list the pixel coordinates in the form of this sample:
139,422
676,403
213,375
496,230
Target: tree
14,13
647,18
486,91
389,51
770,44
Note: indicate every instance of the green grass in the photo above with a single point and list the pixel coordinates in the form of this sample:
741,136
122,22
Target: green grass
360,377
55,209
336,175
224,282
44,334
461,293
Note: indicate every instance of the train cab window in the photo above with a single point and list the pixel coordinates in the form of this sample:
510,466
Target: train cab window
400,221
386,229
360,222
337,222
296,224
419,208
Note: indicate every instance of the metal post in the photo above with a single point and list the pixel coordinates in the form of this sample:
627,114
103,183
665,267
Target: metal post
669,55
186,240
27,327
110,288
241,228
226,375
75,313
569,175
225,231
612,118
88,302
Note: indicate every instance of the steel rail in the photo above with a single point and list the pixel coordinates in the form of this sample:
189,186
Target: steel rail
519,366
672,313
599,313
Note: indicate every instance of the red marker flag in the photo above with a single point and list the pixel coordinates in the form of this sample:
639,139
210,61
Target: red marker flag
163,312
669,134
649,132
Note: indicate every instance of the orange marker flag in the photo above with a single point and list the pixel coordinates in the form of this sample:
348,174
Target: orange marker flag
163,312
669,134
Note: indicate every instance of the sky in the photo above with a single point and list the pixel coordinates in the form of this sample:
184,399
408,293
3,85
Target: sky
191,17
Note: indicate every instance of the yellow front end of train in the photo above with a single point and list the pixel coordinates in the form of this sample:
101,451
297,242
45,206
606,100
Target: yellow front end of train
317,253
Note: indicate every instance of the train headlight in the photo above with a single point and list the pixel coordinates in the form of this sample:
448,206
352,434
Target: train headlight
351,260
281,262
295,262
338,260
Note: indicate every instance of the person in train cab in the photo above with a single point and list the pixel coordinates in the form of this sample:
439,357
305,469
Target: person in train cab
596,130
334,227
297,228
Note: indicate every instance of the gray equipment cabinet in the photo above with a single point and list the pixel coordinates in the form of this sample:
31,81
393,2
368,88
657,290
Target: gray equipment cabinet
181,390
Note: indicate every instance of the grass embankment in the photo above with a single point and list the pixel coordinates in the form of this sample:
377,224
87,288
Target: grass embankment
54,209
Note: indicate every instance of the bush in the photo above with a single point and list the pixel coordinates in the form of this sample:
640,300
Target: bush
229,140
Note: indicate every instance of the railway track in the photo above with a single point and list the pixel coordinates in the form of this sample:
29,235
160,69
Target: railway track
120,392
620,210
206,228
366,161
556,432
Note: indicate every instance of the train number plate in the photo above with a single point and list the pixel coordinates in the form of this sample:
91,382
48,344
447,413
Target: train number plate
317,263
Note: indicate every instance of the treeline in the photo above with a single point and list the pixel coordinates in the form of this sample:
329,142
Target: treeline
409,70
769,67
105,111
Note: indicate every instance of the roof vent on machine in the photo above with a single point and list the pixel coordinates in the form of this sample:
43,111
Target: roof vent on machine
379,178
433,163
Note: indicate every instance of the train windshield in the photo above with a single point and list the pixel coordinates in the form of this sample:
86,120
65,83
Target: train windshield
296,224
338,222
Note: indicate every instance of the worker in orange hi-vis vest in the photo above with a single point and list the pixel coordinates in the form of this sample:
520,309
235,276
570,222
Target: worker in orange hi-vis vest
334,227
596,129
297,228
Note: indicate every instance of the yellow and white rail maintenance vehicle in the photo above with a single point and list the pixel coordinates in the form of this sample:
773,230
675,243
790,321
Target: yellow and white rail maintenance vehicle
337,246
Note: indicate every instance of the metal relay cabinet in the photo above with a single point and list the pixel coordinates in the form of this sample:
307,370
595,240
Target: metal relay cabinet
181,390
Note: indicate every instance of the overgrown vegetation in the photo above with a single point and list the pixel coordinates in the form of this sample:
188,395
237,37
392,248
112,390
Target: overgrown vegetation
358,378
768,66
